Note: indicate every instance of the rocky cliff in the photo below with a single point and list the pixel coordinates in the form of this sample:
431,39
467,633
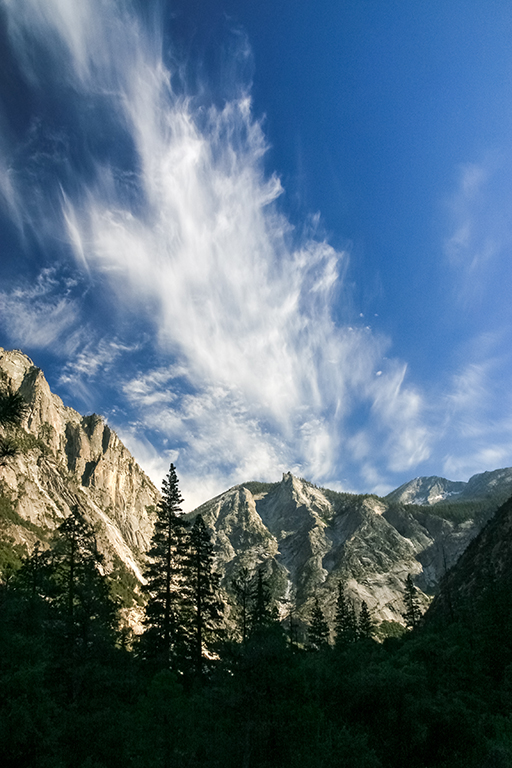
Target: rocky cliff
66,459
306,539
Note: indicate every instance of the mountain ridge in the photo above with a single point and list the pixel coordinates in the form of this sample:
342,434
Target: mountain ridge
305,539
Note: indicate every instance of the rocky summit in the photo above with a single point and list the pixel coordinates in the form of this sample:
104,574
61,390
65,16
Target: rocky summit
66,460
305,539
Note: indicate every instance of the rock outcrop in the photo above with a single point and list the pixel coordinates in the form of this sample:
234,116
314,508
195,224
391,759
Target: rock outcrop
306,539
66,459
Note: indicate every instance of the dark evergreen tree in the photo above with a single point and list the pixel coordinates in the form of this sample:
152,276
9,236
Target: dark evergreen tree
345,622
13,409
318,630
243,592
167,612
207,606
365,625
262,614
412,613
69,573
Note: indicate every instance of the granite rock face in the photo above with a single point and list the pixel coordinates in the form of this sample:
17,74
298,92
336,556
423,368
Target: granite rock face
307,539
66,459
436,490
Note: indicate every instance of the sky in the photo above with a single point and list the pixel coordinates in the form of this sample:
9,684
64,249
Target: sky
263,237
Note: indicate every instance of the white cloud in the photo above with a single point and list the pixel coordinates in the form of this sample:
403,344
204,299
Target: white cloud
40,315
480,229
239,301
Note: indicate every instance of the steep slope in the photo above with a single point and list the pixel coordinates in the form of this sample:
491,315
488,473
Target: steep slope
486,565
306,539
66,459
436,490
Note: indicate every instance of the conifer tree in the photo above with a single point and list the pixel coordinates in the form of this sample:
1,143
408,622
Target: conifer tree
207,607
318,630
75,584
345,622
365,625
261,602
243,592
13,409
412,613
166,616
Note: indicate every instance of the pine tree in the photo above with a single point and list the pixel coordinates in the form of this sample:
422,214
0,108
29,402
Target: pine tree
318,630
243,591
261,604
207,606
345,622
13,409
366,626
412,614
166,611
74,584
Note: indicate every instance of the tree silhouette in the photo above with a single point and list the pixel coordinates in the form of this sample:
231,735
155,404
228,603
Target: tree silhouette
207,606
412,613
243,591
165,626
366,626
261,603
345,622
318,630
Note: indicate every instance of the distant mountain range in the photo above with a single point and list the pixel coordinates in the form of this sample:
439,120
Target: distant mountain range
305,539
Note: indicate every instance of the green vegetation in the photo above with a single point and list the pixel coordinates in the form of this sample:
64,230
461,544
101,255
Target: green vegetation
8,514
458,511
76,694
124,585
255,487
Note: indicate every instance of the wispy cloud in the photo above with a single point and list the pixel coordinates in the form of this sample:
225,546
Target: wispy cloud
255,376
477,431
480,215
39,314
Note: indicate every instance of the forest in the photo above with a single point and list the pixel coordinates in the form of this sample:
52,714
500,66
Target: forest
79,689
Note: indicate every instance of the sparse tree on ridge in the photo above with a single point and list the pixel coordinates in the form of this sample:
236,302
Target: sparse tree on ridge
13,409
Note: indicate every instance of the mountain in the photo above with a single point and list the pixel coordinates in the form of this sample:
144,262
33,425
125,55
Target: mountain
484,569
304,538
66,459
435,490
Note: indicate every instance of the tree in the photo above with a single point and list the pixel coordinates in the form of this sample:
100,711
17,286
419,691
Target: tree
366,625
164,621
318,631
261,603
13,409
345,622
243,591
74,583
207,606
412,613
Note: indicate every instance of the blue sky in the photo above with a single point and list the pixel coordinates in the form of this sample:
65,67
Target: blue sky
261,237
